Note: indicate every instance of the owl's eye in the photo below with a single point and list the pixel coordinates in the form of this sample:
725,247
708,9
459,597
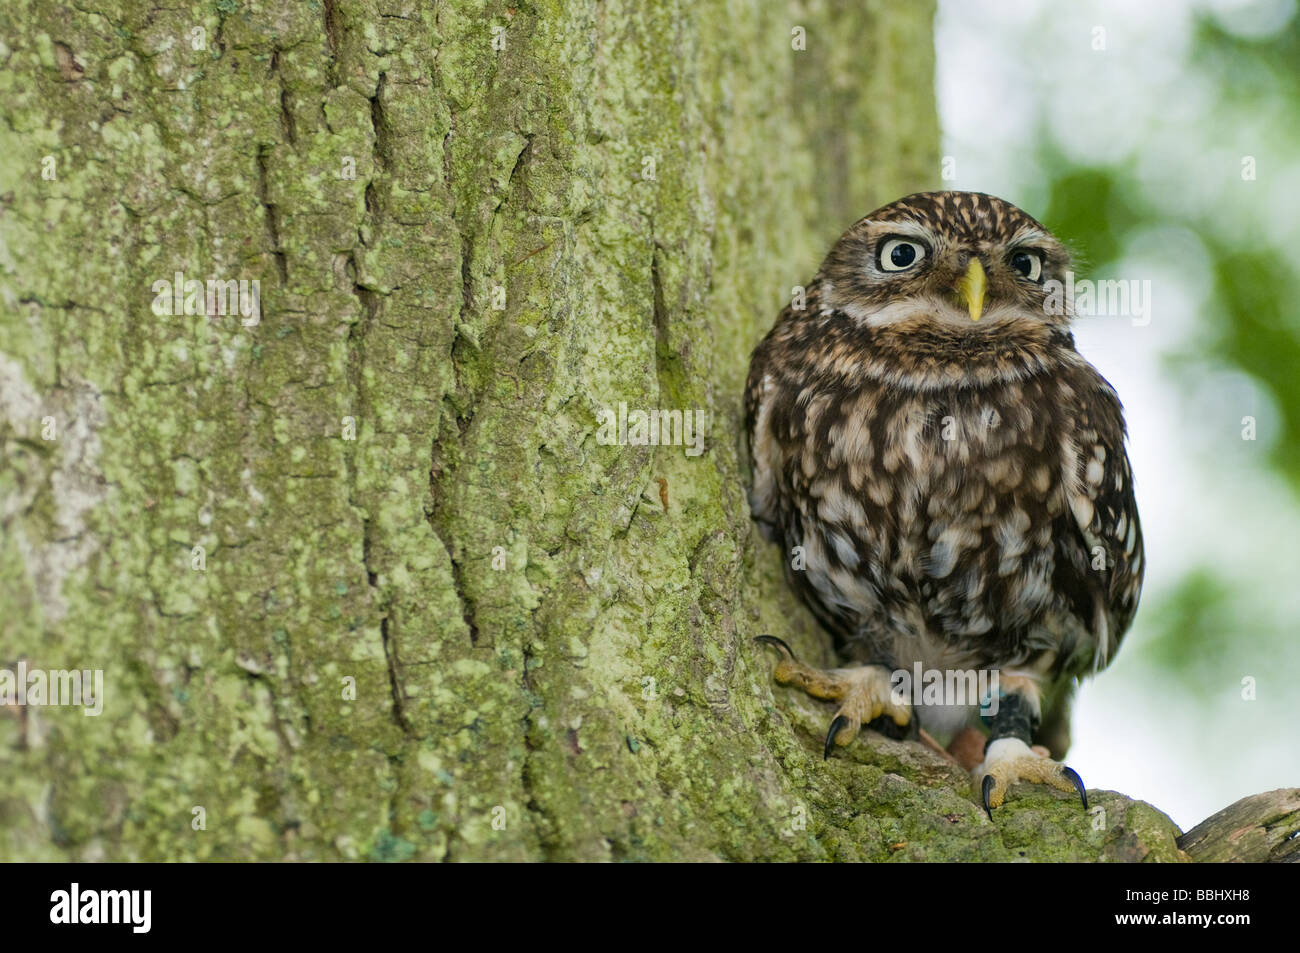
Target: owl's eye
1028,263
899,254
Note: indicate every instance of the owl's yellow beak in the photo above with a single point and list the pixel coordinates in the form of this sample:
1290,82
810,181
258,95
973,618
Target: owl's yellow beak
971,288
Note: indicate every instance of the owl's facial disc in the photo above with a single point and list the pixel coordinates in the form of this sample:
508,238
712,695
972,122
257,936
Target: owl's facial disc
969,263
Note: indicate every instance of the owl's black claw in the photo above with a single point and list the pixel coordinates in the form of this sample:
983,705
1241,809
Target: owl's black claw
1073,777
1010,761
773,640
839,722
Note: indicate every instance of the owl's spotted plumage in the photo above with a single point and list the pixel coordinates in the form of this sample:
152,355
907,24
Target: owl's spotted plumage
952,468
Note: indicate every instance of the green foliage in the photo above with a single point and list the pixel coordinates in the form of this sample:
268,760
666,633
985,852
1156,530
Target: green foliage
1191,631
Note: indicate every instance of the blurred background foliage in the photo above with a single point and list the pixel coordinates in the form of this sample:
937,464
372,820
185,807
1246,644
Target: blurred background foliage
1162,143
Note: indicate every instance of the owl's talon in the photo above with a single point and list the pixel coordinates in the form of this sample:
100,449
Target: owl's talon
777,643
1009,760
1073,777
838,722
864,693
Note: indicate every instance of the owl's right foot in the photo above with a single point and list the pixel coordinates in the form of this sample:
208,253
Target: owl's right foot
863,693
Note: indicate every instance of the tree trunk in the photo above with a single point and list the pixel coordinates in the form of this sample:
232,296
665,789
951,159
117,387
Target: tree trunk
364,577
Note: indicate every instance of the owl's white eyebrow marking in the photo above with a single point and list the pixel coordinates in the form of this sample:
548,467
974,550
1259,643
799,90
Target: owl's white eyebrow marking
1028,235
904,228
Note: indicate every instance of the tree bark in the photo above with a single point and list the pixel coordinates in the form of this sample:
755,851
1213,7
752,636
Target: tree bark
1262,828
476,631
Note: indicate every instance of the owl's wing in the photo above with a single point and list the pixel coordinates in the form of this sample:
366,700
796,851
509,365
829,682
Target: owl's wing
764,452
766,458
761,389
754,391
1107,558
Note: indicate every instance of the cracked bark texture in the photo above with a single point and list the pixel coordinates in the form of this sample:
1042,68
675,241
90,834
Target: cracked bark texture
551,639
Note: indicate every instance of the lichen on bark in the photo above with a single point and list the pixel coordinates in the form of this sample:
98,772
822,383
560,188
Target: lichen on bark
475,226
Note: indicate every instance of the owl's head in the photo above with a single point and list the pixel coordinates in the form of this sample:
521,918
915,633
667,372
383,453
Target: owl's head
964,259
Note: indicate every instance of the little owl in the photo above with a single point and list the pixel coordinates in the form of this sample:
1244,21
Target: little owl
946,477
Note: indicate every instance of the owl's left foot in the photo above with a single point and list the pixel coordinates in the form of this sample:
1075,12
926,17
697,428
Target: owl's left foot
1009,760
864,693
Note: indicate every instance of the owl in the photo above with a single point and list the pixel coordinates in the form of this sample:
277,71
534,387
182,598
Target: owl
947,479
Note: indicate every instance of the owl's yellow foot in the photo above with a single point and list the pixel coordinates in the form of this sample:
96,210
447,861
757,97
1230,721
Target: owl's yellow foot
863,693
1009,760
